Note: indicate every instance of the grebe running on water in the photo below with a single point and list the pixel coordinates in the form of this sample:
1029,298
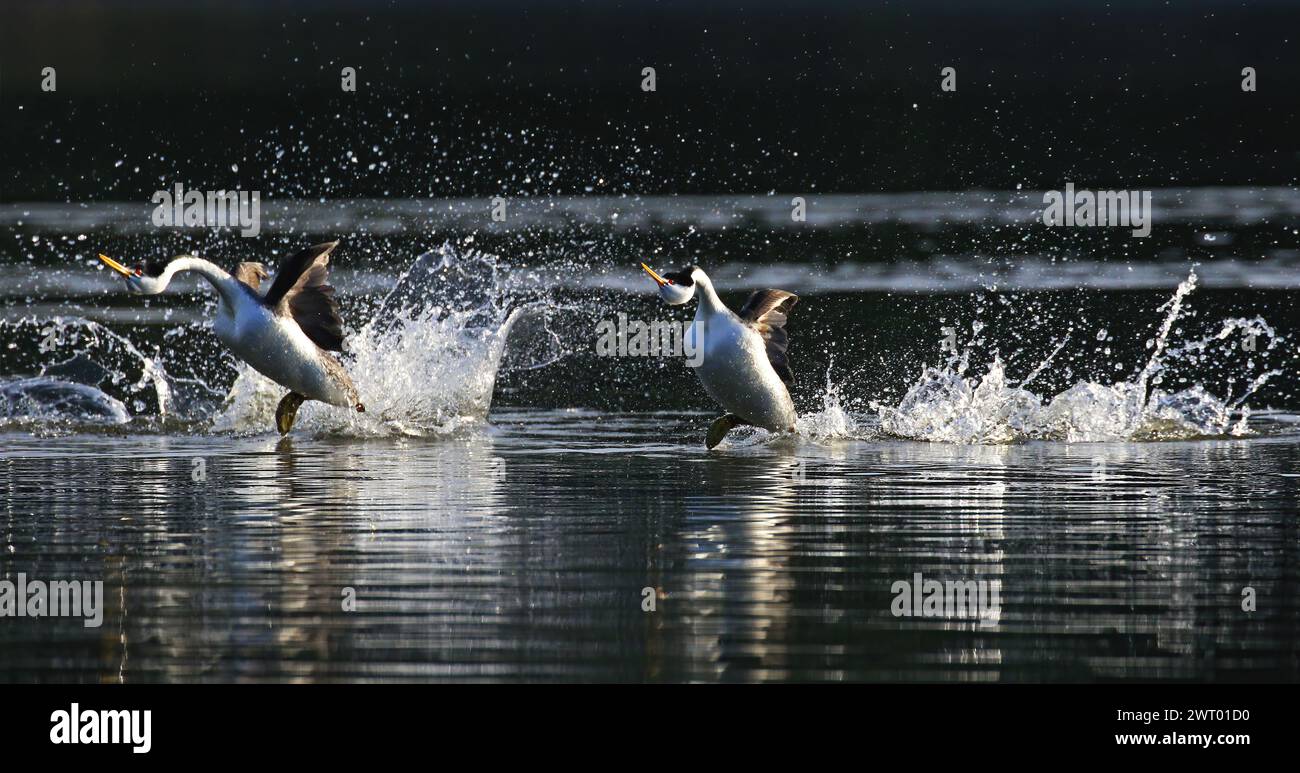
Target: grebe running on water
743,367
286,335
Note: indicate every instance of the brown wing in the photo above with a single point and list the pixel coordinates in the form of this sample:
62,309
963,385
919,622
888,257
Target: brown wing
301,289
767,311
251,274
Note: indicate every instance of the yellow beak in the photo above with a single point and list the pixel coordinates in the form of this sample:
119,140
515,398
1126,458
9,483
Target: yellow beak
648,270
118,267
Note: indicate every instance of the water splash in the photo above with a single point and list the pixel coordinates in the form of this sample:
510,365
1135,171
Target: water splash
834,420
424,363
43,400
427,359
88,358
946,404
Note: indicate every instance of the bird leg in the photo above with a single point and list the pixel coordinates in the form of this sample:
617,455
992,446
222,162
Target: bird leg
720,427
286,411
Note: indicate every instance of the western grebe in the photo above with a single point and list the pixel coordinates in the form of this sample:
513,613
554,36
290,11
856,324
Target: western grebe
742,362
286,335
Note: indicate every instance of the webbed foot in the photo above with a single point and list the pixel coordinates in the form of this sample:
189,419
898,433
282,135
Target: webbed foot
287,411
720,427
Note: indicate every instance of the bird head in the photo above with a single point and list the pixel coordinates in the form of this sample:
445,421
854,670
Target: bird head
146,278
677,287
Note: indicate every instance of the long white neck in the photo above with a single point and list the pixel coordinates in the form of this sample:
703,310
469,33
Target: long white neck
710,303
220,280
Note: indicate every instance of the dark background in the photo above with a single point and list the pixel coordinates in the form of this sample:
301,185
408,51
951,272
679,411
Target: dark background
530,99
534,98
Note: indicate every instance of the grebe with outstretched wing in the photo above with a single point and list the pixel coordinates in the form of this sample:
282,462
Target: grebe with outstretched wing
287,334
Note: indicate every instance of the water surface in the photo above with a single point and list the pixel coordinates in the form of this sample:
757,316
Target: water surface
521,550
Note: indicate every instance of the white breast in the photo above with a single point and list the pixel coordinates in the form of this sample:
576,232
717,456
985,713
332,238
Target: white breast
736,373
277,348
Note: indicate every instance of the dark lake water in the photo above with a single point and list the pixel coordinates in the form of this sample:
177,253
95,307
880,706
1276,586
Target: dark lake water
521,550
1108,457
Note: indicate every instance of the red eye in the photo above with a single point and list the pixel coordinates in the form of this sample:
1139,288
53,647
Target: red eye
138,271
